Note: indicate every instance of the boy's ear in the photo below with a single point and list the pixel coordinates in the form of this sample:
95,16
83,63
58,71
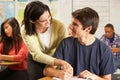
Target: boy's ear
88,29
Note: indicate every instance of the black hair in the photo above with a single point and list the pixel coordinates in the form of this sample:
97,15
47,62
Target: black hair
32,13
15,40
109,26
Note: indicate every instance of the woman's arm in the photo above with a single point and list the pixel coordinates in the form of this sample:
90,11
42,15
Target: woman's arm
33,46
64,73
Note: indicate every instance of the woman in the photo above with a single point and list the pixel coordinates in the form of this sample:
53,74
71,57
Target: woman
42,34
13,48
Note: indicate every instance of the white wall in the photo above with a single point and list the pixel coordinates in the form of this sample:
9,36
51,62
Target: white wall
115,14
108,10
65,9
62,10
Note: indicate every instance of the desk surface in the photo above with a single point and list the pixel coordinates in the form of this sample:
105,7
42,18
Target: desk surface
7,63
46,78
50,78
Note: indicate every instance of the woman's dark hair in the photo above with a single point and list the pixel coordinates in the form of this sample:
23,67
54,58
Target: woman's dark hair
15,40
32,13
87,17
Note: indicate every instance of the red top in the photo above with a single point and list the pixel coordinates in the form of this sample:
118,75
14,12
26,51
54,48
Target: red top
21,56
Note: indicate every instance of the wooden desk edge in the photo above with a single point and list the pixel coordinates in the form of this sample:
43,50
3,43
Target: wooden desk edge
9,63
46,78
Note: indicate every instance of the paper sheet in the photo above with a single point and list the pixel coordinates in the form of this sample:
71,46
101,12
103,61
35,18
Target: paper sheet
74,78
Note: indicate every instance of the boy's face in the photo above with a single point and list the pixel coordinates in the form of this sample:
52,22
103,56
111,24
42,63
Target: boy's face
77,28
8,29
109,32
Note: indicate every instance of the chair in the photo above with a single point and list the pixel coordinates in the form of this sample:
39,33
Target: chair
35,69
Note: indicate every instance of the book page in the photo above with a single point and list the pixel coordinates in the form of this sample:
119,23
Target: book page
74,78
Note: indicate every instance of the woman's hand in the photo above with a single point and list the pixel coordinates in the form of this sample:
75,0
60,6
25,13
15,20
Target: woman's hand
64,75
66,67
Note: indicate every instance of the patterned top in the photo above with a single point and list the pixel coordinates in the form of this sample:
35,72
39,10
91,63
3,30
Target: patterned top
114,44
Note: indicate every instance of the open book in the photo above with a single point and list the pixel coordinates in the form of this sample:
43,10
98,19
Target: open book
74,78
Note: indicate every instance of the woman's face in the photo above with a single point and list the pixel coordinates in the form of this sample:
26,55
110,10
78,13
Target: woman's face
44,20
7,29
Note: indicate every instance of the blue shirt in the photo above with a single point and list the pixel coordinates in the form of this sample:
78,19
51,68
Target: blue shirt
97,57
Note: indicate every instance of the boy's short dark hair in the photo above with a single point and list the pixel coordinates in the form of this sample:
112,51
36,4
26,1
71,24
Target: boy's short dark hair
87,17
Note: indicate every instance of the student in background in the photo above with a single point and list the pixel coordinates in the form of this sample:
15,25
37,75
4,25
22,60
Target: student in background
112,39
90,58
13,48
42,34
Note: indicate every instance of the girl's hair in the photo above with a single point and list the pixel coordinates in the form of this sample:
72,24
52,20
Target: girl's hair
32,13
15,40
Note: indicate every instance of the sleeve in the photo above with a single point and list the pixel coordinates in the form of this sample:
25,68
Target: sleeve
118,41
107,64
59,32
62,32
22,54
59,53
1,48
102,38
35,50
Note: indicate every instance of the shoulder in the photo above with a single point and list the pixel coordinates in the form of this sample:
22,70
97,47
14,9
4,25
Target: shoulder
58,27
22,27
1,44
56,22
22,30
69,41
22,41
102,49
117,36
102,37
102,45
99,41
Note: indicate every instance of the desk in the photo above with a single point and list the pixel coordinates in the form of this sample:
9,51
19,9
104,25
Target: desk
8,63
46,78
115,77
50,78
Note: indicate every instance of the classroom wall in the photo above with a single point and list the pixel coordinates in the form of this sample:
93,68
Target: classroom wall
108,11
115,14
